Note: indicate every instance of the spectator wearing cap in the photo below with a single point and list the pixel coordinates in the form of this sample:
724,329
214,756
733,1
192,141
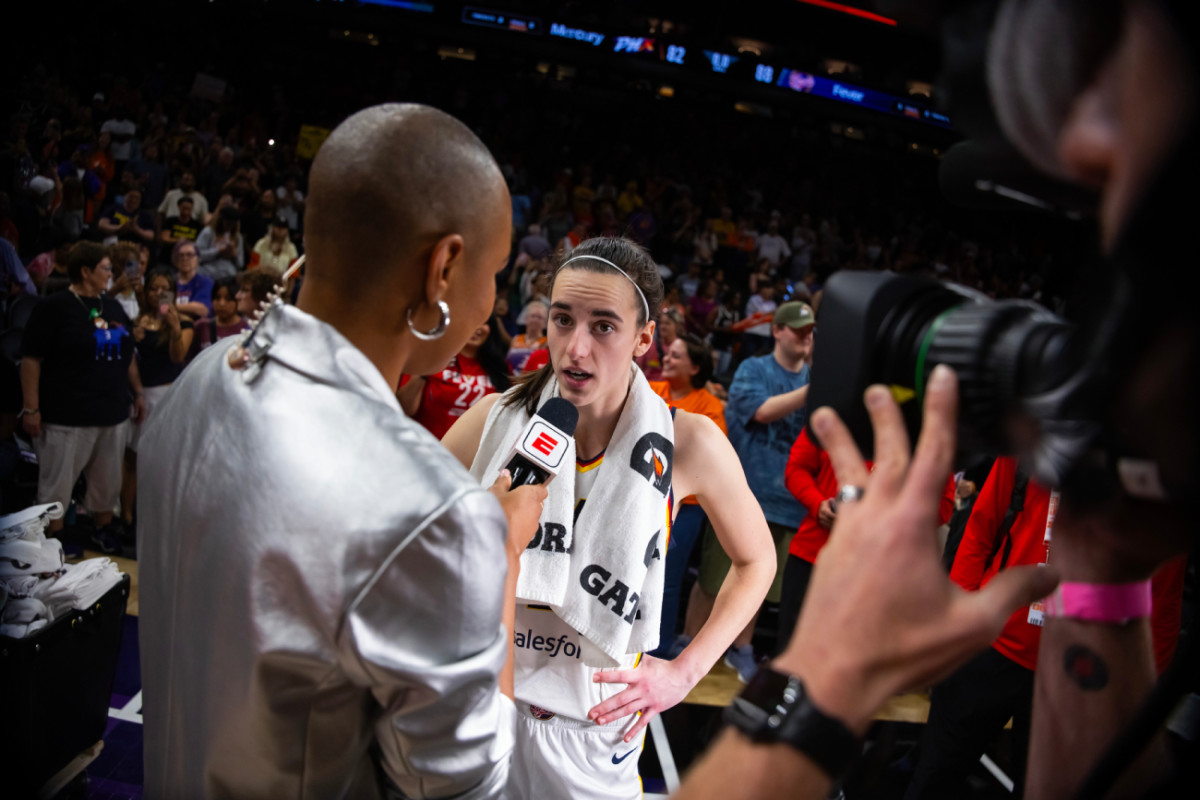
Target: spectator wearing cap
220,245
764,416
275,250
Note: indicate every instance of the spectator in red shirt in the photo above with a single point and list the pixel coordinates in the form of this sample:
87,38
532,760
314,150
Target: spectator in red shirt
437,401
809,476
1007,528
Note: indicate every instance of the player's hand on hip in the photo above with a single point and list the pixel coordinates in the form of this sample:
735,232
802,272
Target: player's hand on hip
653,686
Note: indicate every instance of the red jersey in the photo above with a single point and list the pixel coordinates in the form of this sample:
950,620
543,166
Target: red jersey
809,476
449,393
1020,639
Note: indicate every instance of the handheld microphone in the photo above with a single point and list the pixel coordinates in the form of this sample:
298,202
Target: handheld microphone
538,452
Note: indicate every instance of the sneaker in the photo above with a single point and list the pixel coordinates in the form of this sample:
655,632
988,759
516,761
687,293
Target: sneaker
107,540
742,660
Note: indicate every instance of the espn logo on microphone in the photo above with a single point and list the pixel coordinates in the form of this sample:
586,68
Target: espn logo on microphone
545,445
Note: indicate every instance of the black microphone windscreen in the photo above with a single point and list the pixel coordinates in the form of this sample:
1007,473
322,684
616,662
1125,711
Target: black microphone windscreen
560,413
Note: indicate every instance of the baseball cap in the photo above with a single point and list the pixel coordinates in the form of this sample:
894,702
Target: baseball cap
795,315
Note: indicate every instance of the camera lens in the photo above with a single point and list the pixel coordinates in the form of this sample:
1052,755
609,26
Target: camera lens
1012,358
1002,352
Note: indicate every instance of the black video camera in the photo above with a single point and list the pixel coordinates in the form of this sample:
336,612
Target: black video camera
1014,359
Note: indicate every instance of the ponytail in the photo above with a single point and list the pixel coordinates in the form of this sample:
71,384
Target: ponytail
528,389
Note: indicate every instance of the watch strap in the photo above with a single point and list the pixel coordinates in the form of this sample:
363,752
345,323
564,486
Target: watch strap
775,707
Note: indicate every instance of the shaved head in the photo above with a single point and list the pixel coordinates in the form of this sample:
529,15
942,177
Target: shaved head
387,184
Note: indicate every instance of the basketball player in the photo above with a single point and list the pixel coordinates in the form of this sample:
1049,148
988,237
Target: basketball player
576,722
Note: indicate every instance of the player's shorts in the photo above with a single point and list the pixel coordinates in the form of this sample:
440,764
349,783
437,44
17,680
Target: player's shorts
558,758
714,564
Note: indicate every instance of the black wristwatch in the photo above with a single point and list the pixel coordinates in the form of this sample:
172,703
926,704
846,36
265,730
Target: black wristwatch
774,707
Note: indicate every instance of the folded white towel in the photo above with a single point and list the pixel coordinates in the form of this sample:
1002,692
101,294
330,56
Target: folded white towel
80,586
602,572
28,523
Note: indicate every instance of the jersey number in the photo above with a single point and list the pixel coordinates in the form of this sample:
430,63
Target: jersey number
479,390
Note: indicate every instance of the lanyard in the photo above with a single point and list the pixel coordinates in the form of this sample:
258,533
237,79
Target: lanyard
1037,611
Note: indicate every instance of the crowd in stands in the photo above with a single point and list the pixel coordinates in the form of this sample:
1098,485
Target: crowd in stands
177,212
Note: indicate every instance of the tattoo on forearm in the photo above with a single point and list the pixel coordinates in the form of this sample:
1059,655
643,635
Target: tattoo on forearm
1085,668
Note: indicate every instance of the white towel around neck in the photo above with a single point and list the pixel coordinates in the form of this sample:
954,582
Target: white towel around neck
602,573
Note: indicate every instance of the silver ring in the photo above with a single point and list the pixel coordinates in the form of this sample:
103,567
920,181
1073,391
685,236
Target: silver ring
849,494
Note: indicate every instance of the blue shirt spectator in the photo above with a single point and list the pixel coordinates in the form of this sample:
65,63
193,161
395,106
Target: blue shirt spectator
767,388
197,290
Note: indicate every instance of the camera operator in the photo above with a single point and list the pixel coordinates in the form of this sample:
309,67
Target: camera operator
881,615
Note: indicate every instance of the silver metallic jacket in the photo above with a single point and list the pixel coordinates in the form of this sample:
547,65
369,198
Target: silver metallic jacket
321,586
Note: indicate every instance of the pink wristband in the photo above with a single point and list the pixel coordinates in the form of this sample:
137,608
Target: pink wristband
1101,602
